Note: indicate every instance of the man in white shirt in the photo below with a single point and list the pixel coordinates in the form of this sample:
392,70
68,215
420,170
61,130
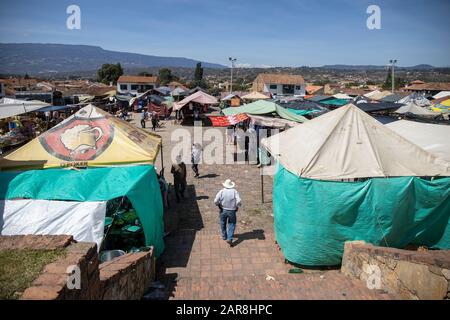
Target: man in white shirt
195,158
228,201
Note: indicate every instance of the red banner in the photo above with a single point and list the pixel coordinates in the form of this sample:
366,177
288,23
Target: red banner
225,121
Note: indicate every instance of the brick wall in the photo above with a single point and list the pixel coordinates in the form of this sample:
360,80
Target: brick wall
412,274
126,277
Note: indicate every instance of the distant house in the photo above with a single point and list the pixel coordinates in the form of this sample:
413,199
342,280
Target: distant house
135,84
2,88
279,84
429,88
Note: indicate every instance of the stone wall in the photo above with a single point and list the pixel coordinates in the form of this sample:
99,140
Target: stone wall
411,274
126,277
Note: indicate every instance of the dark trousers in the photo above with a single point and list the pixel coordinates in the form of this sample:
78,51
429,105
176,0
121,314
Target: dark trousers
154,123
143,123
180,186
195,168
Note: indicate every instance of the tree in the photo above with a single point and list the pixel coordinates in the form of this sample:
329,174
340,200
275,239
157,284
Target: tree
198,76
398,82
145,74
165,76
109,73
27,76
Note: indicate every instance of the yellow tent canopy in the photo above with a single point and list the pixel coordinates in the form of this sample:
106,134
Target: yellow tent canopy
446,103
255,96
89,138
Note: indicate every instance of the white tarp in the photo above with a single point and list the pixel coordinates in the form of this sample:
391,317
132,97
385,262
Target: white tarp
13,107
442,94
83,220
272,122
431,137
417,98
348,143
413,108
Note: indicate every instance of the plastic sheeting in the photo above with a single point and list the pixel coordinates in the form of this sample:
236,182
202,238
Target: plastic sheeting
313,219
83,220
138,183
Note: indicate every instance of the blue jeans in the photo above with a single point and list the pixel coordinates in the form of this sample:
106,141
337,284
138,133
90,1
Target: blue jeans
227,216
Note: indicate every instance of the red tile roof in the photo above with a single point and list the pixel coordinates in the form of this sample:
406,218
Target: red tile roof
137,79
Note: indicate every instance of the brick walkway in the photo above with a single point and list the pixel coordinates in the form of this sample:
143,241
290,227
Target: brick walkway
198,264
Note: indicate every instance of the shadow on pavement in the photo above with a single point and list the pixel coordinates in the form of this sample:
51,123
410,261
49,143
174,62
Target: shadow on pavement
182,221
255,234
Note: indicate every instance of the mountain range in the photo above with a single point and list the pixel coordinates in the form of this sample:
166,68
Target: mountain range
47,59
34,59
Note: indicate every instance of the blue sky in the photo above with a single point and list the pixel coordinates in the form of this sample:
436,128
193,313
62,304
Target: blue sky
257,33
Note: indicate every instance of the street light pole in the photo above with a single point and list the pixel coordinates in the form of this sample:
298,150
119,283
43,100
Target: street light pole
393,62
232,60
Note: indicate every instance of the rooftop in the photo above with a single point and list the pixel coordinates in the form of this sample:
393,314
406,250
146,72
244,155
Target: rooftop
280,78
137,79
432,86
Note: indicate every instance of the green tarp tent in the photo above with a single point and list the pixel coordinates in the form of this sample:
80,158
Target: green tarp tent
335,102
138,183
301,112
263,107
317,206
314,218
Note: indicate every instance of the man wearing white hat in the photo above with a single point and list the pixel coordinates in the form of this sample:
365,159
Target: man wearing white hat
229,201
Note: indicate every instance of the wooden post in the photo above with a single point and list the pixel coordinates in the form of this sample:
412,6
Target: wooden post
262,182
162,158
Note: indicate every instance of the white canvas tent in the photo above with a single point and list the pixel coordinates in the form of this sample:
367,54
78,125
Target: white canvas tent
377,95
413,108
348,143
13,107
198,97
431,137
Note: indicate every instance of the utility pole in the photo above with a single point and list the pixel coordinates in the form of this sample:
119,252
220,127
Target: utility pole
232,60
392,62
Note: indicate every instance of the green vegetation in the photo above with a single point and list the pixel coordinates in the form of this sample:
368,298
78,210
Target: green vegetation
109,73
166,76
145,74
398,82
198,78
19,268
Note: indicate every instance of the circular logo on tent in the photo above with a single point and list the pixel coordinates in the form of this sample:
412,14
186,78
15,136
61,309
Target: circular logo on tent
78,139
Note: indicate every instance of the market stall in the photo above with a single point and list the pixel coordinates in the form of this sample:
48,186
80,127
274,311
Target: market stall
98,180
344,176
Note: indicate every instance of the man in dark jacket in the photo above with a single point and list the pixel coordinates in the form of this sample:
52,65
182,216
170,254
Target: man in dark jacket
179,177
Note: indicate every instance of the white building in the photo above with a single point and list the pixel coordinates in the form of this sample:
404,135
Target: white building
135,84
280,84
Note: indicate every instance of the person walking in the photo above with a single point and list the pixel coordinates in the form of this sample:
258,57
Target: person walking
179,177
154,120
228,201
196,157
144,118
